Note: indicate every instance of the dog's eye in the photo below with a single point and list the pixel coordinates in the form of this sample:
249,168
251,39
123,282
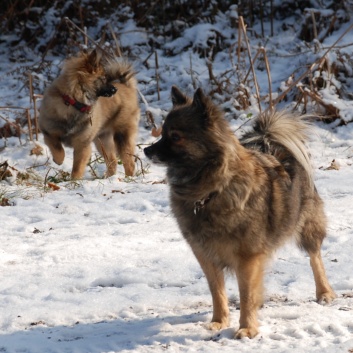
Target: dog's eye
175,137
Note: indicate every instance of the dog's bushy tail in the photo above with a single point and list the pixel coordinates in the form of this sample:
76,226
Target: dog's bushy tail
120,71
284,131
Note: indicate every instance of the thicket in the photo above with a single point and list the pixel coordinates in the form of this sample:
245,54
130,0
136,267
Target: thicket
40,27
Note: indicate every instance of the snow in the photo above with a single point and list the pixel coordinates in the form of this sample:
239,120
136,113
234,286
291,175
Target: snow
100,265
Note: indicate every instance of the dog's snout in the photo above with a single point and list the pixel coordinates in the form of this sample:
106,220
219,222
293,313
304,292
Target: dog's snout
148,152
107,91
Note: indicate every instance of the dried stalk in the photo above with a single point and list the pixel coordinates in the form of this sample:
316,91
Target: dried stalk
157,75
35,97
267,64
243,27
118,51
85,36
191,74
145,62
331,109
28,114
254,60
239,42
314,24
68,21
272,16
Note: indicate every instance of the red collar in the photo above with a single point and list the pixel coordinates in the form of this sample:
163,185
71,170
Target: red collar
83,108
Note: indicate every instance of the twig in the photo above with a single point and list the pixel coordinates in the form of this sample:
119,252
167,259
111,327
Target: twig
314,24
157,75
46,178
211,75
191,74
239,41
241,125
272,16
68,21
28,114
141,164
118,51
143,99
267,64
145,62
45,164
35,97
243,27
254,60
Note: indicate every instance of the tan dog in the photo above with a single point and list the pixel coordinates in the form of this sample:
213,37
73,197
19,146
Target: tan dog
238,201
93,100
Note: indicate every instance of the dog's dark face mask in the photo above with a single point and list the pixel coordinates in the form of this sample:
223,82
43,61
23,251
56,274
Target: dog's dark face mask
107,91
185,143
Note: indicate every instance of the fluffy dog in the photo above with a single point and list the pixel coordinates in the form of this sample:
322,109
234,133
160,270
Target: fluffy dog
93,100
237,201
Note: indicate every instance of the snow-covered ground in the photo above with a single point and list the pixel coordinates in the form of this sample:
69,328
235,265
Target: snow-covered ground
100,265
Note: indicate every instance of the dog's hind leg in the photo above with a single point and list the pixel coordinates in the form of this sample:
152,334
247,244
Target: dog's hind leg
311,237
56,148
125,144
215,278
106,147
250,271
82,154
324,292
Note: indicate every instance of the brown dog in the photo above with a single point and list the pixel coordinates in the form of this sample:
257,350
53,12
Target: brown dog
237,201
93,100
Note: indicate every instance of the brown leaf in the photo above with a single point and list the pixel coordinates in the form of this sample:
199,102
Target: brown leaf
156,132
53,186
36,150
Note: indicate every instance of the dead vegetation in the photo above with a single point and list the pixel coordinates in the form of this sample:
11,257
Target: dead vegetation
164,21
81,26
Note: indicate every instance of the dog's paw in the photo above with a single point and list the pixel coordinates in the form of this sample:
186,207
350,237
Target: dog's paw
58,154
59,159
216,326
249,332
327,297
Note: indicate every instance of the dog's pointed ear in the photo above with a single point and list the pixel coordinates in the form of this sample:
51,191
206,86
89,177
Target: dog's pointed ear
93,60
178,97
200,100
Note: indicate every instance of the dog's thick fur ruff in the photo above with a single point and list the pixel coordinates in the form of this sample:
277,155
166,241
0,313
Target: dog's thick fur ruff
237,201
109,119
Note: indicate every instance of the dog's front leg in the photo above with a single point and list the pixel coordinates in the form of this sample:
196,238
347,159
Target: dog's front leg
82,154
249,272
215,278
56,148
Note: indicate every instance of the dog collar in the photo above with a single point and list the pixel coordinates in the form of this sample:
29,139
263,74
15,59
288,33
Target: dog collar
199,204
81,107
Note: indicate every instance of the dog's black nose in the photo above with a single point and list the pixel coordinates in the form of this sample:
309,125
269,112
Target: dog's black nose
107,91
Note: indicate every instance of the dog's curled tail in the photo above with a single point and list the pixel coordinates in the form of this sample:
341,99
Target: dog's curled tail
120,71
273,130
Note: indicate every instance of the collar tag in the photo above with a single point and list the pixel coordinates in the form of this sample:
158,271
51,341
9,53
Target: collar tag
200,204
